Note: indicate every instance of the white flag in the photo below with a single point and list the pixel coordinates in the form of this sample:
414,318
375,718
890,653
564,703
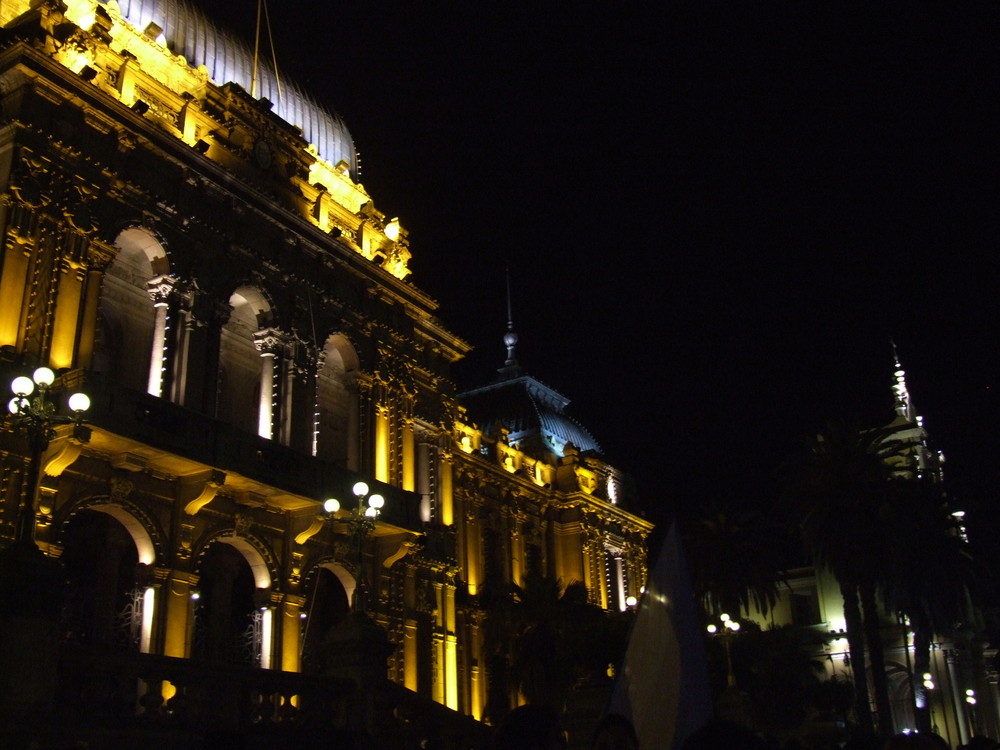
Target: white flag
663,684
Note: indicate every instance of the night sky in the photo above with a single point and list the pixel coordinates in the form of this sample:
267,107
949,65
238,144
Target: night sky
715,216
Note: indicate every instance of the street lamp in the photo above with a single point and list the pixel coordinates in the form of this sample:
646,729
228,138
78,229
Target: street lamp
37,417
726,631
361,520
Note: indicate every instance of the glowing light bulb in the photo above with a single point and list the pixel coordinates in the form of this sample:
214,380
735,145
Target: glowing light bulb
79,402
22,386
332,505
44,376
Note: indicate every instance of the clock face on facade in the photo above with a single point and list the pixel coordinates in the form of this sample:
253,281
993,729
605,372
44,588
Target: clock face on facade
262,154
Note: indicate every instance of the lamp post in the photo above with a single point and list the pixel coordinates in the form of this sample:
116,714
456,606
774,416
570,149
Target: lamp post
726,631
31,582
361,521
37,417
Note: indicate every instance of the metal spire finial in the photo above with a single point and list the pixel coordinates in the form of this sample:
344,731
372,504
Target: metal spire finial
510,337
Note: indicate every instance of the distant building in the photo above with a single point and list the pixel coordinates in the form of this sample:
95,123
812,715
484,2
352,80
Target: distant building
958,686
187,241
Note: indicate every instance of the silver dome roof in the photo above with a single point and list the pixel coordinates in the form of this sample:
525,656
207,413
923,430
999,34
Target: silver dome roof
228,59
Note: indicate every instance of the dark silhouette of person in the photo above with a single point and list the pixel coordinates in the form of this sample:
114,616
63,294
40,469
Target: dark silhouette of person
529,727
615,732
718,734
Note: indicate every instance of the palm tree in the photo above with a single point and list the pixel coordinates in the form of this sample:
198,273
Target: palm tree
540,637
838,494
734,557
931,580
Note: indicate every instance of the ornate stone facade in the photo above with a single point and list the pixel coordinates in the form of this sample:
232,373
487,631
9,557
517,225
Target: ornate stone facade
240,314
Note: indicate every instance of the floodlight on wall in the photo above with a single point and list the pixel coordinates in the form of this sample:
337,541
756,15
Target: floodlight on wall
155,32
202,146
140,107
88,73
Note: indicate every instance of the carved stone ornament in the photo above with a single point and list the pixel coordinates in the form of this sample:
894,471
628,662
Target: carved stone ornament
242,524
121,488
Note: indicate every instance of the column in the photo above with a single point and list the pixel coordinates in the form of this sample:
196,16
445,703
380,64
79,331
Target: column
382,442
957,697
439,690
447,504
477,686
473,555
98,258
410,654
13,281
270,343
620,581
291,634
450,650
67,314
299,401
160,290
423,479
353,422
178,613
518,569
182,356
408,457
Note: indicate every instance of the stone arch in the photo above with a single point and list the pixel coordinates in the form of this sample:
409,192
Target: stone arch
234,580
900,695
126,317
143,529
239,378
107,552
331,590
337,411
254,552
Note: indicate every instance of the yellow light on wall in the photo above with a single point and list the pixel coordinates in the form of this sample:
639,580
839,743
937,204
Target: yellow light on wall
148,608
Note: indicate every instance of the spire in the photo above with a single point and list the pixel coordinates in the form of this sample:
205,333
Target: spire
510,369
903,405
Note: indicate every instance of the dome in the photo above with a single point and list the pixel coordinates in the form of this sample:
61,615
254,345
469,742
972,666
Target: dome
533,413
227,58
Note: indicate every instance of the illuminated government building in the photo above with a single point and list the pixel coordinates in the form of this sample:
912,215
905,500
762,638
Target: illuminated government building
186,241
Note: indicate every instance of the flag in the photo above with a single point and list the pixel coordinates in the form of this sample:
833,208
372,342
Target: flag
662,687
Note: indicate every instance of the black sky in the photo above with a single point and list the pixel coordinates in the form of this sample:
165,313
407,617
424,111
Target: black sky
715,216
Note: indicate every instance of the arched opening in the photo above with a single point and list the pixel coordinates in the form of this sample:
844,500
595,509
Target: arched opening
239,360
227,621
126,317
335,416
901,697
106,599
329,603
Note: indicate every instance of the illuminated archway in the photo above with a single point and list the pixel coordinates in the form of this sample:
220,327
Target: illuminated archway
331,592
240,362
336,408
127,328
106,603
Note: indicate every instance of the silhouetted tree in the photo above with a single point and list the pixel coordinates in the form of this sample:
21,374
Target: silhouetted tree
735,559
930,575
838,493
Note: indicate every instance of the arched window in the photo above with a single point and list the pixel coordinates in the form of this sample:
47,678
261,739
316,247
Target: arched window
108,605
240,363
329,603
129,339
233,618
336,410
